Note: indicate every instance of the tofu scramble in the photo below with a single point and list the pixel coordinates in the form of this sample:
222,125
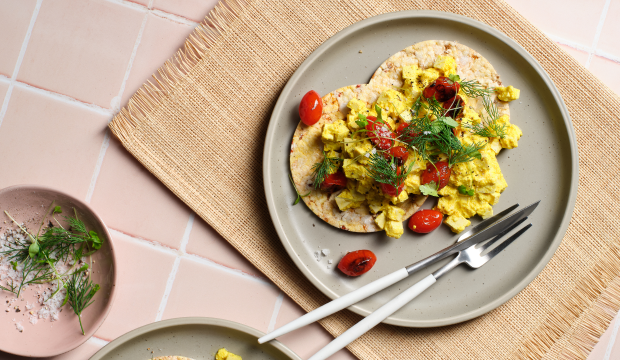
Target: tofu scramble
386,148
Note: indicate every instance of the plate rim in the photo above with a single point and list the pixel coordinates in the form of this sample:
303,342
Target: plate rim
112,251
192,320
434,15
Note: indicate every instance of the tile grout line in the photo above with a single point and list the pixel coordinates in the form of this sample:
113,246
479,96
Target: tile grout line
193,257
20,58
188,231
612,338
175,268
93,179
597,35
169,283
115,104
276,311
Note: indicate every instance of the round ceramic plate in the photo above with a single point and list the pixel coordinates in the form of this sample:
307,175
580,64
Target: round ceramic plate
28,204
194,337
543,167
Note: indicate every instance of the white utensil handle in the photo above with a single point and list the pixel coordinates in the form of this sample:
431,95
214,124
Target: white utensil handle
338,304
373,319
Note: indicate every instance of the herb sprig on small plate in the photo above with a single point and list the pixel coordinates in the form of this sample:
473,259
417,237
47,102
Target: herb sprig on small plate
39,257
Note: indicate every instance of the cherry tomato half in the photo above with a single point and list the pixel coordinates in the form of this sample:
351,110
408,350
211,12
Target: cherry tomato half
405,135
379,133
454,106
441,170
334,182
310,108
425,221
357,262
443,89
400,154
390,190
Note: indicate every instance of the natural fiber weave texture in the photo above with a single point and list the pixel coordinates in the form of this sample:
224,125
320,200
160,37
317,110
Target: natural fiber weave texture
219,91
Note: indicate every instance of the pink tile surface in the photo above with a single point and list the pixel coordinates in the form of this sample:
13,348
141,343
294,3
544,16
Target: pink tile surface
194,10
143,274
206,242
39,136
160,41
4,87
579,55
133,201
205,290
14,21
598,353
608,71
298,339
81,48
609,41
84,351
575,20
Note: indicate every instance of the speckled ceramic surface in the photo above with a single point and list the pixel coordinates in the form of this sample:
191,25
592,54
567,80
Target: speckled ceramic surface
28,204
543,167
194,337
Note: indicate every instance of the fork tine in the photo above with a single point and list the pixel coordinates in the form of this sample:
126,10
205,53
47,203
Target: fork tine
500,235
505,244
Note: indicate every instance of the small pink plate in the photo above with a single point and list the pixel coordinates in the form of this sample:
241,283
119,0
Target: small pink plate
28,204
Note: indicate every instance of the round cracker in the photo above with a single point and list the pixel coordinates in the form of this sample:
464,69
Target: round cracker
306,150
470,65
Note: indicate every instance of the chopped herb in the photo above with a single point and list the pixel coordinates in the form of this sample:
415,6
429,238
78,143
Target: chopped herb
429,189
362,122
465,191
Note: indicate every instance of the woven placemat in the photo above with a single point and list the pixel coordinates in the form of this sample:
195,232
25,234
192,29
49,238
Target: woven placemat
218,92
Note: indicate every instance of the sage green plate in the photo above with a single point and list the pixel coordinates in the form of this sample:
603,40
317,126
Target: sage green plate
543,167
197,338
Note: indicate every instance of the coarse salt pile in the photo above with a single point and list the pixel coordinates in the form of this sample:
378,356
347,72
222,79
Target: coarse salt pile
11,273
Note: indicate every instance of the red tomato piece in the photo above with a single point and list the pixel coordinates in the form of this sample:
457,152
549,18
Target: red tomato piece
405,135
454,106
429,91
334,182
400,154
310,108
357,262
389,189
442,88
379,133
441,171
425,221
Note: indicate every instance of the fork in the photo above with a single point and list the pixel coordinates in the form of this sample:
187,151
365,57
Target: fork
472,256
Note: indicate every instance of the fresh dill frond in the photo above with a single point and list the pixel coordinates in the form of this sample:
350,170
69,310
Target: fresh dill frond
473,88
489,125
80,292
465,153
324,168
385,171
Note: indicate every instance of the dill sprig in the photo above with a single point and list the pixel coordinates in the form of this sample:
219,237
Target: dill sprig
324,168
299,196
385,171
39,256
473,89
489,125
80,292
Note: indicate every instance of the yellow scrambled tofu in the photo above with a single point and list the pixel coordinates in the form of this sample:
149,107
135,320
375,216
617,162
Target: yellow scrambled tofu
347,140
507,93
223,354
